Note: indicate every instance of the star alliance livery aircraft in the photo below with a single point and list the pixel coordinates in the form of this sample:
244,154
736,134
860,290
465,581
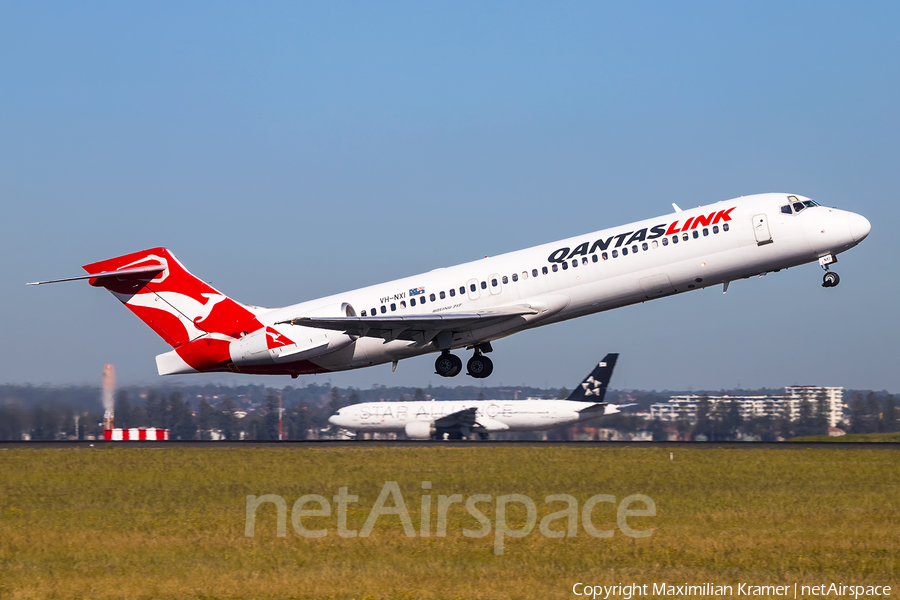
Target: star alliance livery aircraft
471,305
456,420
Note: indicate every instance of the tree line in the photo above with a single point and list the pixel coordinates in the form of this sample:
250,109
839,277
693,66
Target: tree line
306,411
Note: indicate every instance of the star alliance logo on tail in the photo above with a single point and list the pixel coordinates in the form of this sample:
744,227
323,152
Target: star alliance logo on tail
592,387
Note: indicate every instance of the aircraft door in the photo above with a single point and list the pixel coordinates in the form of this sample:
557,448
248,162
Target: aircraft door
761,230
495,284
472,289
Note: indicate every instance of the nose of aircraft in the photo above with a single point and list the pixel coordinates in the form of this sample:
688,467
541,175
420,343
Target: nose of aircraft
859,226
335,420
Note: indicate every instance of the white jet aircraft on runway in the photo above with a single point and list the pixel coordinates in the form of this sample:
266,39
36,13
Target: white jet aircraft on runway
473,304
455,420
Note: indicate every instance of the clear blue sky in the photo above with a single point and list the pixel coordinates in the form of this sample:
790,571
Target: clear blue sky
286,151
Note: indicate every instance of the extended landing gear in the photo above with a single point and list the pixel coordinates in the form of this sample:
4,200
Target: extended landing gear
479,366
830,279
447,365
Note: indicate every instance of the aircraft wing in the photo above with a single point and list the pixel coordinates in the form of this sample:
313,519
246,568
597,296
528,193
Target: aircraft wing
465,417
414,328
469,418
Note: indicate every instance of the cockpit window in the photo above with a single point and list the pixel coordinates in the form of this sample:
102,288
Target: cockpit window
798,205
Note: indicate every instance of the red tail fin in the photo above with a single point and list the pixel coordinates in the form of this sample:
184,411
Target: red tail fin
174,303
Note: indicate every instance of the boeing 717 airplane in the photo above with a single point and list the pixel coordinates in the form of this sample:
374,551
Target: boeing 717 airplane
471,305
456,420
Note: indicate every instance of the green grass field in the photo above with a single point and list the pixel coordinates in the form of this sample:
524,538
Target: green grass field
170,523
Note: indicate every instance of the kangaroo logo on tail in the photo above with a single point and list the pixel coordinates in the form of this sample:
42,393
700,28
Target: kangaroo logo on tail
178,306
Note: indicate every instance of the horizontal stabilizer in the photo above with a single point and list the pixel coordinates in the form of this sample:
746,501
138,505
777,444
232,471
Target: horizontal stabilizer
151,271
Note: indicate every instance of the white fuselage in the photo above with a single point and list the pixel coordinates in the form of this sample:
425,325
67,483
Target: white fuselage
590,273
492,415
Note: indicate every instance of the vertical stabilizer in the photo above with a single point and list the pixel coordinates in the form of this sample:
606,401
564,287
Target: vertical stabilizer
178,306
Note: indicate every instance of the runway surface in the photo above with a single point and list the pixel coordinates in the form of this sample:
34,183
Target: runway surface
454,443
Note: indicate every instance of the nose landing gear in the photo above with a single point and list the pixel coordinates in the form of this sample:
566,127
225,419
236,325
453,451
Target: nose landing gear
830,279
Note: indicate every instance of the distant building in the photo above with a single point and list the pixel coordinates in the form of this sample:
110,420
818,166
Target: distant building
685,407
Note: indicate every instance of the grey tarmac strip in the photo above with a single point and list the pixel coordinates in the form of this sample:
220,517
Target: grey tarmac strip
34,445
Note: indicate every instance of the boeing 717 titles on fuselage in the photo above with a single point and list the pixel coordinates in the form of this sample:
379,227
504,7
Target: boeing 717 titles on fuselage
471,305
422,420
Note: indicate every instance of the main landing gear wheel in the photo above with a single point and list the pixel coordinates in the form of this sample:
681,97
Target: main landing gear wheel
480,366
447,365
830,279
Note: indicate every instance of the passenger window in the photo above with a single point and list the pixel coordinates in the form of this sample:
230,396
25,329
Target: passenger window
715,229
705,232
786,209
624,252
525,274
674,239
584,260
544,271
634,248
462,290
403,304
443,295
452,292
645,246
374,311
555,267
422,300
655,244
363,313
615,253
798,206
484,285
505,280
724,226
594,258
574,262
515,276
605,256
494,282
684,237
383,309
565,266
412,301
696,234
665,241
433,298
473,287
